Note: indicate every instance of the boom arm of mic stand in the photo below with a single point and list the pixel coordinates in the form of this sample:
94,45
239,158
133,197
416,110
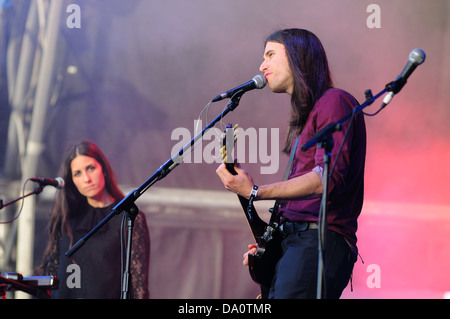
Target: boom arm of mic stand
328,130
175,160
127,203
36,191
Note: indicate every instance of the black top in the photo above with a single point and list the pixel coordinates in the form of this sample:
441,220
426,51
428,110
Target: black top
95,270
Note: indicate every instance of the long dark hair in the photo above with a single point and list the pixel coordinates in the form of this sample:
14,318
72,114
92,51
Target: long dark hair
312,76
68,199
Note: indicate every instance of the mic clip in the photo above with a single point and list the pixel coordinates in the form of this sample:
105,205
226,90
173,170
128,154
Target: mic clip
369,96
395,86
234,100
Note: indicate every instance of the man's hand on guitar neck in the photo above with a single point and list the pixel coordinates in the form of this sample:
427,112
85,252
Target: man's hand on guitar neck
241,184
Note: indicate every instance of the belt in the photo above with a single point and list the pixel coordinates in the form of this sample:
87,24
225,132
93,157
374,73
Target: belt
288,228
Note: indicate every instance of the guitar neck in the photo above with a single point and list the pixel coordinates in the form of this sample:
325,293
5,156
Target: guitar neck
256,224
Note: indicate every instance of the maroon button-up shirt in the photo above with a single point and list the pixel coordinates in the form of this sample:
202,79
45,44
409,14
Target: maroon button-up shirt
346,185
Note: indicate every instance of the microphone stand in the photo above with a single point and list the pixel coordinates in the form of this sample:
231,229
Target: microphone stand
324,139
127,204
37,191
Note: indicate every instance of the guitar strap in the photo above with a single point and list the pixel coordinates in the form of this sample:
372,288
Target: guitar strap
274,209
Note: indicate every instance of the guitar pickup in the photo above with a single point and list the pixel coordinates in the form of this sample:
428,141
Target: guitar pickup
268,234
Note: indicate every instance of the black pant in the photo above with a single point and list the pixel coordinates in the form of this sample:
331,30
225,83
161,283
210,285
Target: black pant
296,272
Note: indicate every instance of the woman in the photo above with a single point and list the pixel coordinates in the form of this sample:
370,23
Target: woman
90,193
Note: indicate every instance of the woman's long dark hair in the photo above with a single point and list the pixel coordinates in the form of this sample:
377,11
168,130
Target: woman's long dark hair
68,199
312,76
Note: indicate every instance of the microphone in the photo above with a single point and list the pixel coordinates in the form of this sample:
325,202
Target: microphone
57,182
416,57
258,82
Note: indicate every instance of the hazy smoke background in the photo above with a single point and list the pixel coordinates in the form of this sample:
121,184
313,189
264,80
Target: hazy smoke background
148,67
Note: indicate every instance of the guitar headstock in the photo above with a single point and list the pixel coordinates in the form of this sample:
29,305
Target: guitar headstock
229,138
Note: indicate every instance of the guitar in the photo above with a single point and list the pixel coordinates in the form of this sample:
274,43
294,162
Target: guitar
267,236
